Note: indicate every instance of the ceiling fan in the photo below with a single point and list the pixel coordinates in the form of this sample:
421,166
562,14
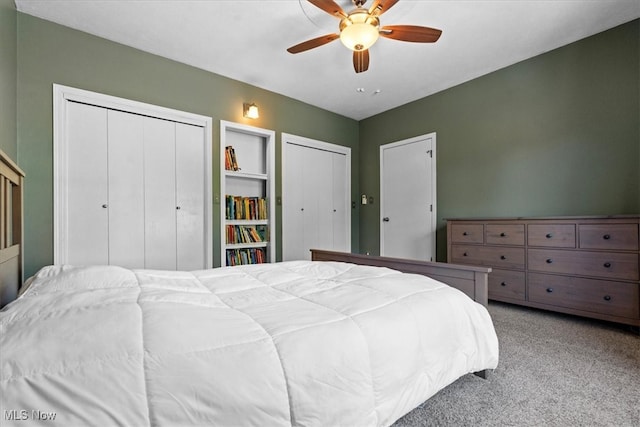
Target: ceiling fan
360,28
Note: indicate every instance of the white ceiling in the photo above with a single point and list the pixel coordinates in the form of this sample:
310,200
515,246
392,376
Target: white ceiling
246,40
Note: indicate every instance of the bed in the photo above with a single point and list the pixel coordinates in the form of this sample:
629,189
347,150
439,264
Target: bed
11,180
326,342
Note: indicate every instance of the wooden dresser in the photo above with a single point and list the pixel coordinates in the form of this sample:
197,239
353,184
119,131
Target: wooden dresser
586,266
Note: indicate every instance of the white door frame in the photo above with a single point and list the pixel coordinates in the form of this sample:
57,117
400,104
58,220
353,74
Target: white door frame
62,95
434,216
320,145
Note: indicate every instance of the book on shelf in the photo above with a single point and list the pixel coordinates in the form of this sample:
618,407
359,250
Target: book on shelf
246,256
230,160
237,234
240,207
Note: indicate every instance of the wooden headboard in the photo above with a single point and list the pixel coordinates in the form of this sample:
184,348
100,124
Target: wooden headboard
11,229
471,280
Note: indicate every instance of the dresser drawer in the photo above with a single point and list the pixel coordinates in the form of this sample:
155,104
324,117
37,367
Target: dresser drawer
507,284
612,265
467,233
600,296
505,234
609,236
491,256
552,235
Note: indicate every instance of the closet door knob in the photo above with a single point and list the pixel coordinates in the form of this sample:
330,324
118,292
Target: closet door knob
178,208
105,206
549,260
607,297
607,265
503,257
503,284
549,235
502,234
549,290
606,237
385,219
465,233
464,254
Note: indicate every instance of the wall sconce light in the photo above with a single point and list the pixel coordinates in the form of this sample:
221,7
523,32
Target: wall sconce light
250,111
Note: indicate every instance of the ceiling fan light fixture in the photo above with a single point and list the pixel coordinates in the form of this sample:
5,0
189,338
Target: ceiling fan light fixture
359,30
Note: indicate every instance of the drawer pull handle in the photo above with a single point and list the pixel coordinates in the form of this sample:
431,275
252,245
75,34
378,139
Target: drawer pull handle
607,265
503,284
607,298
549,290
503,257
502,234
549,260
465,233
549,235
606,237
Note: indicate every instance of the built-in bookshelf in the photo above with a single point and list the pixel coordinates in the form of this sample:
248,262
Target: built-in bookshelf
247,183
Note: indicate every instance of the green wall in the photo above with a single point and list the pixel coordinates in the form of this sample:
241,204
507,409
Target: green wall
8,66
49,53
557,134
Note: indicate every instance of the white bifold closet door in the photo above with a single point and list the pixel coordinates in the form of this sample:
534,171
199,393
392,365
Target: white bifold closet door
135,190
315,202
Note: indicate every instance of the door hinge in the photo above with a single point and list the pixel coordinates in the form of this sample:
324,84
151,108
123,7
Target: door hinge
430,208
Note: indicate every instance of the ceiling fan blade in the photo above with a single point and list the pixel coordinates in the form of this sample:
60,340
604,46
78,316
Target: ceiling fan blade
361,60
410,33
310,44
381,6
330,7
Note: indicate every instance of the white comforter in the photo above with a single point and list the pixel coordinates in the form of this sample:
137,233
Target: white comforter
294,343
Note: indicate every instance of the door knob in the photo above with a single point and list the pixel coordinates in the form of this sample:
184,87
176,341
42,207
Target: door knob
385,219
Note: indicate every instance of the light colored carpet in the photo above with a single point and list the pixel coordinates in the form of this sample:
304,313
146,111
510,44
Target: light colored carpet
554,370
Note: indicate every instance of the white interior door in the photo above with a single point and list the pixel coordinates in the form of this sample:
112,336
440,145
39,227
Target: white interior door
85,219
407,193
341,234
293,189
319,198
316,192
190,200
126,189
160,194
117,189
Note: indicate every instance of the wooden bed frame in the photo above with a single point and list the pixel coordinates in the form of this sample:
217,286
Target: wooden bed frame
11,228
471,280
